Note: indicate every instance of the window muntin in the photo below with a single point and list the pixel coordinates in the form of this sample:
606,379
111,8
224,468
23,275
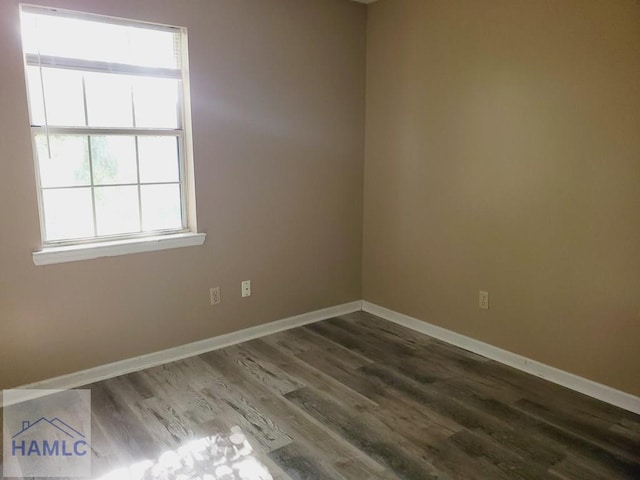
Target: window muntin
106,101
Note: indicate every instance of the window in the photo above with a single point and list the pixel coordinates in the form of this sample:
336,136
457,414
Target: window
108,110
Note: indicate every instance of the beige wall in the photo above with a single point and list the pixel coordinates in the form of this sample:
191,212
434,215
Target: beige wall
503,154
278,127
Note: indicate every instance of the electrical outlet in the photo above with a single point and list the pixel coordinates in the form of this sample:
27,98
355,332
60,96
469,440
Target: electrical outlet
484,300
246,288
214,295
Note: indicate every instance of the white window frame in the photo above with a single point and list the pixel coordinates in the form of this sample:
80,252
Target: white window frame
54,251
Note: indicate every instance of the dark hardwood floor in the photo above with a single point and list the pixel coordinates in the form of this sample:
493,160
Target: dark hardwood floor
354,397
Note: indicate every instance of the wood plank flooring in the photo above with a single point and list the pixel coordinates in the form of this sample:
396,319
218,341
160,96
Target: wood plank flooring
354,397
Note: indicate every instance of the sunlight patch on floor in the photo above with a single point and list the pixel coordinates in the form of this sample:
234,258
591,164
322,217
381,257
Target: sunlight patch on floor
217,457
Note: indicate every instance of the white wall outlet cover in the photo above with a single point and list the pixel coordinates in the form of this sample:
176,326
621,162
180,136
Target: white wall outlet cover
246,288
214,295
484,300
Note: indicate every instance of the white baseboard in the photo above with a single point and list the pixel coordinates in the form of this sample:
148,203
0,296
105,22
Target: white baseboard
555,375
103,372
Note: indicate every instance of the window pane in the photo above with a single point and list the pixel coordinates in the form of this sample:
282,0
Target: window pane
114,159
117,210
156,102
158,157
108,100
29,30
69,162
74,38
36,101
63,94
154,48
161,207
68,213
102,41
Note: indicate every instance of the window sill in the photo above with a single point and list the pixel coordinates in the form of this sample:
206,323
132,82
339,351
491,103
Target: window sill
74,253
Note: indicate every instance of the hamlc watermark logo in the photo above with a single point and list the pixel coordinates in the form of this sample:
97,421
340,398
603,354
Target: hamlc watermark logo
47,436
73,444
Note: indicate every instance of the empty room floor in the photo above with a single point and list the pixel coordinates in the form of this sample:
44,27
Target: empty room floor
354,397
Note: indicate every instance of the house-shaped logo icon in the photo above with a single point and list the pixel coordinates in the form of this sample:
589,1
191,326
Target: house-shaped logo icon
48,438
